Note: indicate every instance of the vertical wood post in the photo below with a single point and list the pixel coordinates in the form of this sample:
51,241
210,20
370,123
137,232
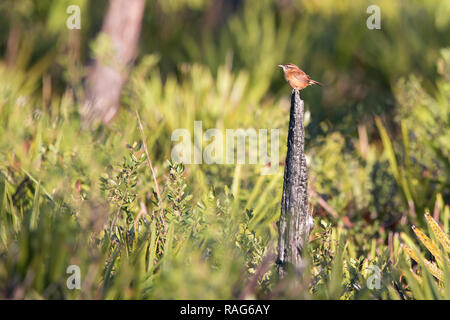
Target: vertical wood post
295,222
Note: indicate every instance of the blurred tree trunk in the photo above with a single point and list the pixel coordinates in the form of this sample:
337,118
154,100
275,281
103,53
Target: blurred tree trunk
12,45
122,25
219,11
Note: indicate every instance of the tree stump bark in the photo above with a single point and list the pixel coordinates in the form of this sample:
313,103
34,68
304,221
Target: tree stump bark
295,222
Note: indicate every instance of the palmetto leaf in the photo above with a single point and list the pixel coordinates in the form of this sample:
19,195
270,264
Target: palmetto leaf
429,265
440,235
437,270
428,243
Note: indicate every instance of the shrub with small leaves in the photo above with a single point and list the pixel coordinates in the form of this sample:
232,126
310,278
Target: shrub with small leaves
178,208
120,188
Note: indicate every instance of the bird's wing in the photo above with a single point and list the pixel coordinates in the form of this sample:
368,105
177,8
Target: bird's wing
301,76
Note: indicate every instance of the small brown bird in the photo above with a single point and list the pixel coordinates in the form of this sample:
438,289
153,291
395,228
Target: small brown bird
296,77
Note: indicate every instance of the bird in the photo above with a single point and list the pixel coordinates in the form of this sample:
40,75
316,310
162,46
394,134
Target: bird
296,77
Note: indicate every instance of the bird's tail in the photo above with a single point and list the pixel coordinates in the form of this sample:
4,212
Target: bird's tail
314,82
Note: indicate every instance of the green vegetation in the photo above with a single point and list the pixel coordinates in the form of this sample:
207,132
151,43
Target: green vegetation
378,149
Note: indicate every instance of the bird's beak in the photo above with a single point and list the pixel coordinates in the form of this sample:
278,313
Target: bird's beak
280,65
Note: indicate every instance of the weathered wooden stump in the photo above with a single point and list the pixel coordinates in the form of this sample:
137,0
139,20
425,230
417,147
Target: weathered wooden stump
295,222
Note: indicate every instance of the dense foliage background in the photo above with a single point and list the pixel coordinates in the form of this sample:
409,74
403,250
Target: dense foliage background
378,144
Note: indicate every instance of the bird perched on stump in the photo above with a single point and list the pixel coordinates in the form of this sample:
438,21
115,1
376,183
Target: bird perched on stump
296,77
